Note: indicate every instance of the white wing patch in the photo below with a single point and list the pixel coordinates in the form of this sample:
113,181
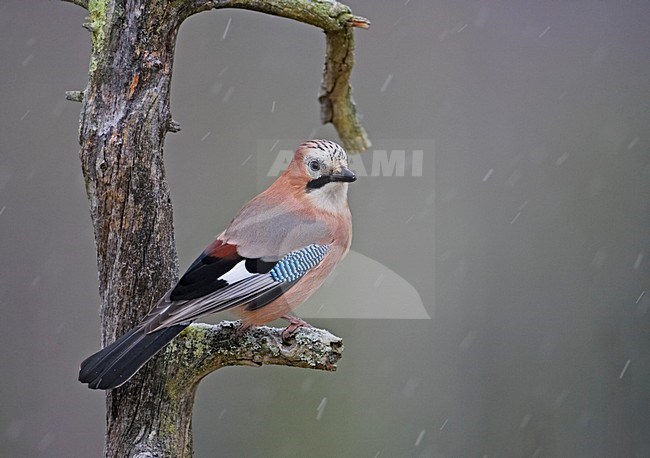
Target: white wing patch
237,273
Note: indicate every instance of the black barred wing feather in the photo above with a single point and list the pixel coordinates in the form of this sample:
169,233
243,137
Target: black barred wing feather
254,288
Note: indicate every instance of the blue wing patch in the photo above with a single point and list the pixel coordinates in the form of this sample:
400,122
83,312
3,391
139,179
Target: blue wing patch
296,264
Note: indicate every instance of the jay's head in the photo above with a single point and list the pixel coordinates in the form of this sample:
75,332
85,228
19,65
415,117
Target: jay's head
321,164
320,168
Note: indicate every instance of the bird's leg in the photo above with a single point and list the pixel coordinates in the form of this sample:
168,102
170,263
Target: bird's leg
294,324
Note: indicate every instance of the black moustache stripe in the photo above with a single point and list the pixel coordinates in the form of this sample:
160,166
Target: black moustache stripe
318,183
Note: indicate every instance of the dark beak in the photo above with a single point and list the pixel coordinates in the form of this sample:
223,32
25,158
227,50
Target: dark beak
345,175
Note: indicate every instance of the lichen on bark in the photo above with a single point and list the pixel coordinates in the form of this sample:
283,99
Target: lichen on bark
97,24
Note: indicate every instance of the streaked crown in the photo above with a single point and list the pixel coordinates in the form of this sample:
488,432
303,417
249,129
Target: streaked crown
333,150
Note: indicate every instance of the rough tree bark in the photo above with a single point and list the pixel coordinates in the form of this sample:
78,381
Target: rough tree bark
124,119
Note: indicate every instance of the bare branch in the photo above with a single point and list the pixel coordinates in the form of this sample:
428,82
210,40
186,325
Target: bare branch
337,105
337,20
325,14
74,96
81,3
202,349
173,126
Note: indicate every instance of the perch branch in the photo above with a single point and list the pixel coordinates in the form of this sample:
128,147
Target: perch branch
202,349
337,20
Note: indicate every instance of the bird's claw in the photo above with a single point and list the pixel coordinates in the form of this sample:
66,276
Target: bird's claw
295,323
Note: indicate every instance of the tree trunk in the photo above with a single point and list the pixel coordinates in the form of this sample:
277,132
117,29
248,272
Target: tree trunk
124,120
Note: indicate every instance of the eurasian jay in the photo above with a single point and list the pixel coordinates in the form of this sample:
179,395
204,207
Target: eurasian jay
276,253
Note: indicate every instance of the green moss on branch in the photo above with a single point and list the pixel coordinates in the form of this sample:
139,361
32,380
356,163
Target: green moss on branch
201,349
97,24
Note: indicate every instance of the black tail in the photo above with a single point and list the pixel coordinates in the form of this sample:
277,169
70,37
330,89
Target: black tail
117,363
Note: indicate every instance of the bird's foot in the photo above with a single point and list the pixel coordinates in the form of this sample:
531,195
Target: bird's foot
294,324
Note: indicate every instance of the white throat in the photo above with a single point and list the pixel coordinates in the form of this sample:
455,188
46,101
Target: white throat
332,198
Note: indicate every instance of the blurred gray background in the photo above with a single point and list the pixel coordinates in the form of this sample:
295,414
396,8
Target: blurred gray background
527,235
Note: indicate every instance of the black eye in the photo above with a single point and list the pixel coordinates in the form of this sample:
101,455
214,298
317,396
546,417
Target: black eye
314,166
